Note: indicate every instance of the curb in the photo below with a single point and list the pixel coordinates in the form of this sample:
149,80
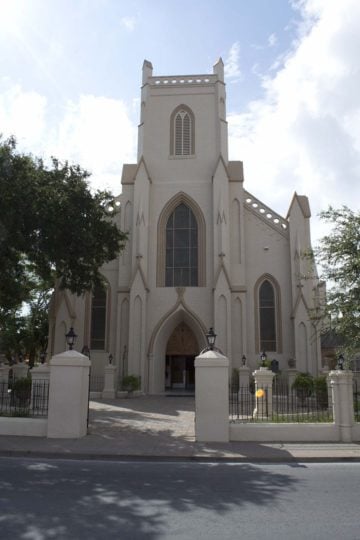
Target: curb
176,459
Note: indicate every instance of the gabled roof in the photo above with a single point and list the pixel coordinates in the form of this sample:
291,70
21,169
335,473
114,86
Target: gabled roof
130,171
331,340
268,216
303,202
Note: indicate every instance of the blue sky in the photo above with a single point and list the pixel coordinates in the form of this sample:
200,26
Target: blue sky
70,74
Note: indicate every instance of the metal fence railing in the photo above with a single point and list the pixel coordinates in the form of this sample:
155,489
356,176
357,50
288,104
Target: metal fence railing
96,383
30,399
296,405
242,403
285,404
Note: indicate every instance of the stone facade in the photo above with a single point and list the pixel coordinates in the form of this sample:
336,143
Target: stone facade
231,262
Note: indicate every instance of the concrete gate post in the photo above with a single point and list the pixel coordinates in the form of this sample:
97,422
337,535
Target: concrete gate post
342,393
109,391
212,397
263,392
291,376
20,371
69,395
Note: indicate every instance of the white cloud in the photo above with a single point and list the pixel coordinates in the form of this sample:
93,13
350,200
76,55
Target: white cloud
21,113
95,132
232,62
129,23
304,135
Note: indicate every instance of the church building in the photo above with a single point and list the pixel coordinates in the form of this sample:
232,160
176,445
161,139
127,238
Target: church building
202,252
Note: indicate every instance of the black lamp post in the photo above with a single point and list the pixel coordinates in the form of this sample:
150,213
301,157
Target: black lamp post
71,338
243,360
263,358
211,338
110,359
341,362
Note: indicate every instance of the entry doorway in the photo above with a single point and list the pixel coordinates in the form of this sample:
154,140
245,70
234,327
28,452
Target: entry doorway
182,348
179,372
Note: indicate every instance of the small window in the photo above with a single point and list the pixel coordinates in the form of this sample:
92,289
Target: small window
267,316
182,132
98,319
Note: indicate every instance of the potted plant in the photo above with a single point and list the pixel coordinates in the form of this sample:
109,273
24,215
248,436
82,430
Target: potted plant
131,383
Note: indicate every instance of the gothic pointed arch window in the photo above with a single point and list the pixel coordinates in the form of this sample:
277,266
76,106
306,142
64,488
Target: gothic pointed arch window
181,266
268,316
98,318
182,132
181,244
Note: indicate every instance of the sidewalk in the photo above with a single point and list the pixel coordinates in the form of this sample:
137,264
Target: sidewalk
162,428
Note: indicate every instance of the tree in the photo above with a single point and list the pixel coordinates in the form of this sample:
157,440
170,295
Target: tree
339,255
53,229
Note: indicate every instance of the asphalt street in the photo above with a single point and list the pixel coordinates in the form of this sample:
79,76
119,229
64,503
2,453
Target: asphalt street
69,499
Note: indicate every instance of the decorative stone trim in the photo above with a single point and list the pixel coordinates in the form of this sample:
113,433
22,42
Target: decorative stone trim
266,214
182,80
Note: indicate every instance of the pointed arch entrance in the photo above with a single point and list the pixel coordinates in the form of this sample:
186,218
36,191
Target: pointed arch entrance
168,339
182,347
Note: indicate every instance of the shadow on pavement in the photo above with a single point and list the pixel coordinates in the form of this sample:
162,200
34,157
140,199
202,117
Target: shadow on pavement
159,427
110,500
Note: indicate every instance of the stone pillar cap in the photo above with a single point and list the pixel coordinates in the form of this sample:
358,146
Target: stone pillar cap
70,358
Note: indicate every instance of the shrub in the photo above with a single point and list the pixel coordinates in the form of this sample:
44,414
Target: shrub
321,391
265,363
22,392
303,385
131,383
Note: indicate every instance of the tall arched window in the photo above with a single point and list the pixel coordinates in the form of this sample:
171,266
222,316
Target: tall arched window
181,244
182,132
181,248
98,318
267,317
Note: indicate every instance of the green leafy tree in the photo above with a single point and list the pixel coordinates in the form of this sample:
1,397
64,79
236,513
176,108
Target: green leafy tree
339,255
53,230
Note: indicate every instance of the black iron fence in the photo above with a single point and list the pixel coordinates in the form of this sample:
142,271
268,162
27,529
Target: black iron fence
30,398
242,403
279,404
96,383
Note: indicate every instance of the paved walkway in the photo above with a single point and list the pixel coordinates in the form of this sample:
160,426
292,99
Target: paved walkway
162,428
